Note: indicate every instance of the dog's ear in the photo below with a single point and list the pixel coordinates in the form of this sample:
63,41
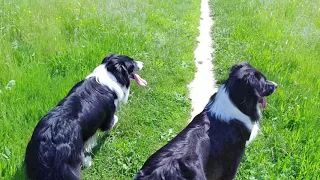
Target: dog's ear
238,66
120,66
117,65
256,81
107,58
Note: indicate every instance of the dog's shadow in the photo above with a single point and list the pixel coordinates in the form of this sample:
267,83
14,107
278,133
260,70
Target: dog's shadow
100,141
20,173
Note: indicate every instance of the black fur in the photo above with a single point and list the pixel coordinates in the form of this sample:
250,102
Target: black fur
55,150
211,147
121,67
246,86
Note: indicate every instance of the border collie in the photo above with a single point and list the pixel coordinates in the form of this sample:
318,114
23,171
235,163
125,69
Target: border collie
213,144
62,137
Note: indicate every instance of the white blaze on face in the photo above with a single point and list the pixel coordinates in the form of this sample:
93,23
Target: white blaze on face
139,64
274,83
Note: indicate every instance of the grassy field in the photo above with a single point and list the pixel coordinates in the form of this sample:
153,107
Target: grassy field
282,39
47,46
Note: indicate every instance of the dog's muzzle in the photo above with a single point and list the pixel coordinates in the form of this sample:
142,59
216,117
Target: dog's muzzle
270,88
139,65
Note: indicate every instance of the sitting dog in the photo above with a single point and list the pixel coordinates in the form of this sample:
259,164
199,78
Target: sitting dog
213,144
60,139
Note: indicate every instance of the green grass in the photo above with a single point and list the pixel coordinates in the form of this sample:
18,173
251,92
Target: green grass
47,46
282,39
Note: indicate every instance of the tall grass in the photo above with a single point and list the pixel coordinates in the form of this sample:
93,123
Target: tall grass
48,45
282,39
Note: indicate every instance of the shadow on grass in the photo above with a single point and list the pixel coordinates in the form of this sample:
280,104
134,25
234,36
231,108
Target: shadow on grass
20,173
100,143
220,81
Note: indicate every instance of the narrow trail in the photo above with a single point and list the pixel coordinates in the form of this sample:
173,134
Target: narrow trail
204,83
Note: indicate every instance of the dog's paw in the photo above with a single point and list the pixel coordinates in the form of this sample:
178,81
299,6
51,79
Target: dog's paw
90,143
86,161
115,120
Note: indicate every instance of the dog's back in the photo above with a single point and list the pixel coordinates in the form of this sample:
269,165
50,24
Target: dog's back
205,142
183,157
227,142
50,154
56,145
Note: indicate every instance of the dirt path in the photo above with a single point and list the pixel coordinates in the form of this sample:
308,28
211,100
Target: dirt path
204,84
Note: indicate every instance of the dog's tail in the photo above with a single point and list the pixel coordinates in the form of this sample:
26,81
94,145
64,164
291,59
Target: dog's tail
54,154
51,163
63,163
66,157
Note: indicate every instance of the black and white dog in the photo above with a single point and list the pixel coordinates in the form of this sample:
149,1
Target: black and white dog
59,141
213,144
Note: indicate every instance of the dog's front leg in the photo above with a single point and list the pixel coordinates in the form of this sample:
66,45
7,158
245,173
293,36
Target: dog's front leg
126,95
88,146
114,121
86,160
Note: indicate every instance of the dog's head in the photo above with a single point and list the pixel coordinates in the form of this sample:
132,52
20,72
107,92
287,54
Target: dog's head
124,68
248,87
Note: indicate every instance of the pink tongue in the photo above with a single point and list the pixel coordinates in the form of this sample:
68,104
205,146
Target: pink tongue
264,102
139,80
